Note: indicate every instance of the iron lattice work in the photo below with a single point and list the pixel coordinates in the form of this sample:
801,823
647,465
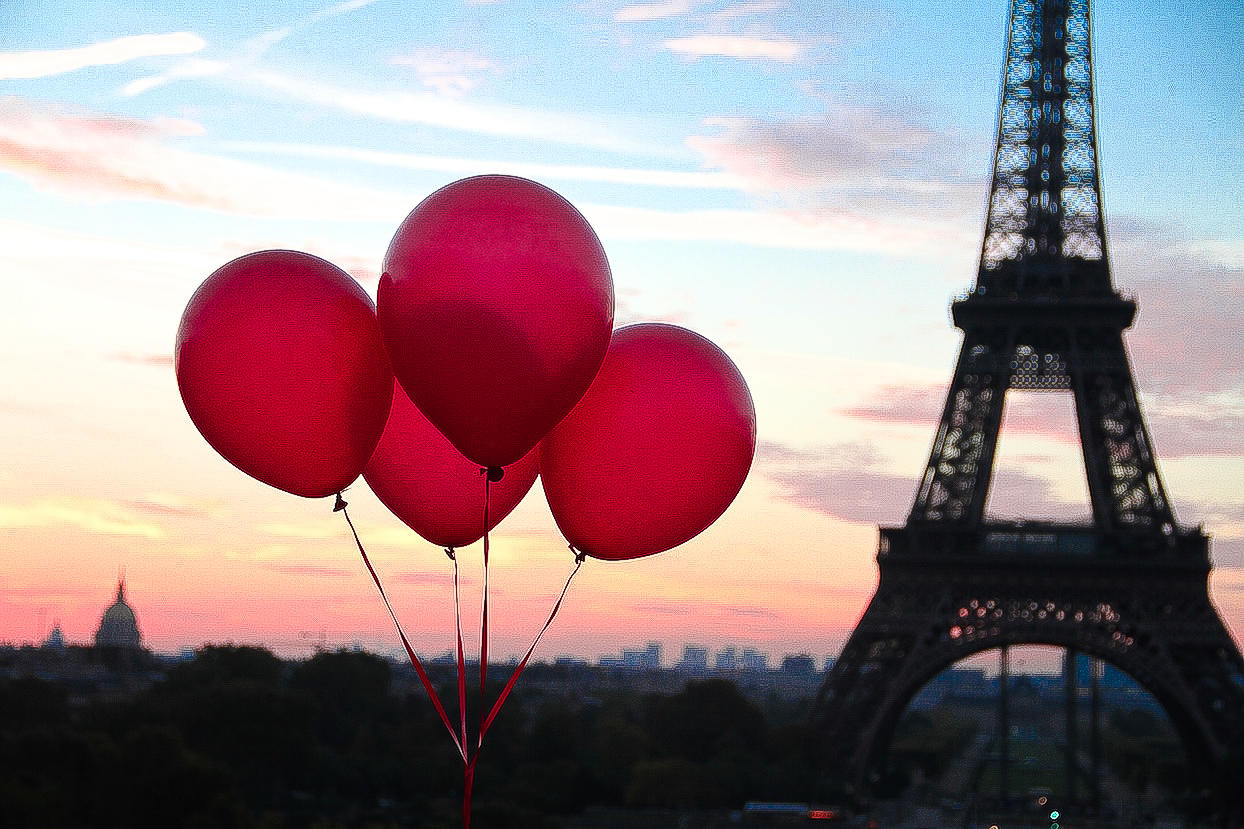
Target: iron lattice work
1044,203
1043,315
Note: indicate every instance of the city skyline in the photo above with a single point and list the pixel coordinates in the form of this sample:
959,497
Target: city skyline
803,183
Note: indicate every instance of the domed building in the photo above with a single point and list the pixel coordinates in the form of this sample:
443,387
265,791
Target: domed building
118,628
56,639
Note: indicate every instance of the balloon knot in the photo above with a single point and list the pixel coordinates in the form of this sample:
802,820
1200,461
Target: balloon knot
494,473
340,504
579,555
449,551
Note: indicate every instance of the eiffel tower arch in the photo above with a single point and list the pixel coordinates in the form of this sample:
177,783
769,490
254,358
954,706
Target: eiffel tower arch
1131,586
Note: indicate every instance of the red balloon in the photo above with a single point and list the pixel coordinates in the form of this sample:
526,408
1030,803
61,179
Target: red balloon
282,368
496,306
423,480
655,451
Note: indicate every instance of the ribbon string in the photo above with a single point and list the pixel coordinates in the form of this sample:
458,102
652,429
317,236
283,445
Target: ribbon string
340,506
460,738
483,633
509,686
461,660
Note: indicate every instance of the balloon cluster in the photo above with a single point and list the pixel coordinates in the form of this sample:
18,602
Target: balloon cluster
495,315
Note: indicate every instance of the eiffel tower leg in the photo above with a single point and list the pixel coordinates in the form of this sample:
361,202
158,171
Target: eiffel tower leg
1122,473
956,482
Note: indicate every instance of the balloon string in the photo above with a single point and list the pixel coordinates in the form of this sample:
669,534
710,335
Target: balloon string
461,657
468,782
483,637
509,686
340,506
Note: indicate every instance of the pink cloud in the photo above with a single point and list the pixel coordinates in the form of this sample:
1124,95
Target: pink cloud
1038,413
901,404
310,570
661,609
843,481
160,360
742,47
13,407
761,612
1189,309
170,507
1017,494
104,155
852,156
430,579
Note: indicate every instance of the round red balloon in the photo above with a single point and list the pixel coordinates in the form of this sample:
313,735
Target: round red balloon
655,451
282,368
496,306
427,483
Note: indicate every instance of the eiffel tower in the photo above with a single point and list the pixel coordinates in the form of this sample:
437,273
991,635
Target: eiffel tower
1129,588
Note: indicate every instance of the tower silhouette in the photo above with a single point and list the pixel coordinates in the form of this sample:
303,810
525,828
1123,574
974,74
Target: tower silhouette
1130,587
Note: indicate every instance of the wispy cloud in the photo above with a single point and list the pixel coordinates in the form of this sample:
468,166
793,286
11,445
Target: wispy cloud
792,229
1194,425
662,608
760,612
450,72
251,51
310,570
96,516
853,156
471,166
182,71
46,63
431,579
177,506
106,155
743,47
848,482
1017,493
97,155
160,360
906,405
845,481
1037,414
317,532
1176,279
447,113
643,12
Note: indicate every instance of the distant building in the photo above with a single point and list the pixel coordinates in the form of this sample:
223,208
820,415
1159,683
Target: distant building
754,660
729,659
694,659
801,664
649,659
56,639
118,627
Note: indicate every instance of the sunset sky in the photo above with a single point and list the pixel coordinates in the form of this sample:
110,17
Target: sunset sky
802,182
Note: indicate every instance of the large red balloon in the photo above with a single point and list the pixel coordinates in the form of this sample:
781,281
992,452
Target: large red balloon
657,448
281,366
496,306
423,480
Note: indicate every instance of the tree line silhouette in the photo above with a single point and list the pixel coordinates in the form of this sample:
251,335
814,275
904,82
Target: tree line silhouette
237,737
